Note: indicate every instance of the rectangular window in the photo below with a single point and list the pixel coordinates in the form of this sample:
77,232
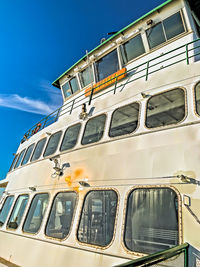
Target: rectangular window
36,213
107,65
60,218
165,108
38,149
197,98
17,212
86,76
5,209
19,159
94,130
28,154
70,87
155,35
151,220
52,144
124,120
70,137
132,49
97,221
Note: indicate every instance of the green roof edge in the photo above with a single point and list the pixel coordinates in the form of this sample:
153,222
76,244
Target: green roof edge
55,83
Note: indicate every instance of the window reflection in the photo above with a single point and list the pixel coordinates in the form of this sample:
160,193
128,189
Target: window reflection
38,149
86,76
28,154
52,144
70,87
5,209
70,137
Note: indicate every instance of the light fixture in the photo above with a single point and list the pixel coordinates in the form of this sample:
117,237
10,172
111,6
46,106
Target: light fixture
149,22
145,95
84,183
58,169
83,115
47,133
32,188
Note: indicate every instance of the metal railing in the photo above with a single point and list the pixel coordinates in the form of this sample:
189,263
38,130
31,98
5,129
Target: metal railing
180,54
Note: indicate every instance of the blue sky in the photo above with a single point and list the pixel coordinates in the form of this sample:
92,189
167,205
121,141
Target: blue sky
40,39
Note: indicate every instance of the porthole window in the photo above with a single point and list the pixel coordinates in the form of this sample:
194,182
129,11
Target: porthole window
97,221
151,220
124,120
28,154
60,218
94,130
70,137
36,213
165,108
38,149
19,159
17,212
197,98
14,162
52,144
5,209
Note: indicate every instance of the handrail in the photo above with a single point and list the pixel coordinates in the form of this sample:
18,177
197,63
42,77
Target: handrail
145,69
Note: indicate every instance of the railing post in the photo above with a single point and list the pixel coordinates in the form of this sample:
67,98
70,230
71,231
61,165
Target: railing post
187,58
72,106
58,112
115,85
45,122
90,100
147,70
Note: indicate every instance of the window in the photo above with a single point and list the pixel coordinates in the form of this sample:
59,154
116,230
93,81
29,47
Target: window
97,221
107,65
70,87
52,144
38,149
70,137
19,159
13,163
132,49
60,218
165,30
36,213
94,129
17,212
197,98
151,220
28,154
86,76
166,108
124,120
5,209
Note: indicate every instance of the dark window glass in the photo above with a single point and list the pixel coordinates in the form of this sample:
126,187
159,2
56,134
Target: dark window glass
155,35
70,137
94,129
13,163
132,49
36,213
28,154
166,108
52,144
17,212
107,65
70,87
98,218
173,25
124,120
38,149
19,159
60,219
66,89
197,95
5,209
151,220
74,85
86,76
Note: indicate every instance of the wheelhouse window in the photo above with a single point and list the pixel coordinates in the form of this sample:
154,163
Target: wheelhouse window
70,137
165,30
94,130
107,65
97,221
132,49
151,220
124,120
5,209
86,76
70,87
166,108
19,159
13,162
38,149
28,154
197,98
17,212
52,144
61,215
36,213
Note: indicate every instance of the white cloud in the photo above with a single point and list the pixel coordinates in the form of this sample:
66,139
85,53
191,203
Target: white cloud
26,104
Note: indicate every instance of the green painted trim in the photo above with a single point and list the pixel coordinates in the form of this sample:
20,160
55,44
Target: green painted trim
56,84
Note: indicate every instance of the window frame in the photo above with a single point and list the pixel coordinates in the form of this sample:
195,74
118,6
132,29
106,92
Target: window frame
58,146
10,210
195,98
179,214
169,125
42,151
115,222
33,144
14,161
93,76
62,151
70,86
23,150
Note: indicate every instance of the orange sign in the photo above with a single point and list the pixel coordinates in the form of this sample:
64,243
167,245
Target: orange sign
120,74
